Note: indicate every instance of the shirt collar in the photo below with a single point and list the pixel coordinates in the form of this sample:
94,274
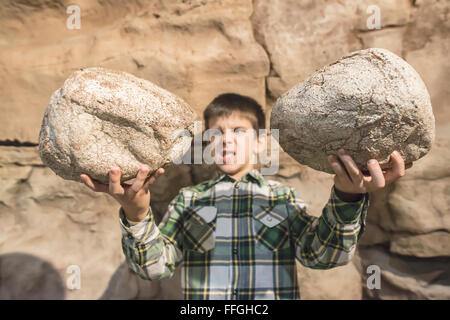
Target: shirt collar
253,175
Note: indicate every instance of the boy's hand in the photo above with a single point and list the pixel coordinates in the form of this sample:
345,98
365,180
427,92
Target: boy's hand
135,198
350,179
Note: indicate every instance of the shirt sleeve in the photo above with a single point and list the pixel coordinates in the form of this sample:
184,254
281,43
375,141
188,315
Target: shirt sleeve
153,252
330,240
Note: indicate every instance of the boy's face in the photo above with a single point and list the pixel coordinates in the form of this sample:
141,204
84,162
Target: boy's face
236,144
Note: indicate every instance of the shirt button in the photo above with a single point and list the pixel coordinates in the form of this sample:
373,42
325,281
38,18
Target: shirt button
269,219
130,236
236,186
235,251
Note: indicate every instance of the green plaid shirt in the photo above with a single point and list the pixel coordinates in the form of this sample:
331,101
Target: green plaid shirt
239,239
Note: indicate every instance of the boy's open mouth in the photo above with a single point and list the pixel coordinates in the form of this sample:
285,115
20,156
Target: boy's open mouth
228,156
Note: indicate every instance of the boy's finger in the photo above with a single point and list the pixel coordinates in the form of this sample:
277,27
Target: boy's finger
398,167
339,169
376,173
155,176
152,178
114,182
87,181
350,165
140,179
94,186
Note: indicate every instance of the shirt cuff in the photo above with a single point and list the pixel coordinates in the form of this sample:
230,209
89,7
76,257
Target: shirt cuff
136,231
342,212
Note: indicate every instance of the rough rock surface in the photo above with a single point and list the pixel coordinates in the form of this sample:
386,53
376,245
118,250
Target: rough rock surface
405,277
370,102
102,118
199,49
49,224
409,230
297,47
196,49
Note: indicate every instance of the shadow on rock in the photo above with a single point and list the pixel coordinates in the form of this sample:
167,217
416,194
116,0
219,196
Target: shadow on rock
27,277
125,285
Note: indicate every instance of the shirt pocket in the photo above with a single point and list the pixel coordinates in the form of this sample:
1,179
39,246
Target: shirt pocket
270,225
199,229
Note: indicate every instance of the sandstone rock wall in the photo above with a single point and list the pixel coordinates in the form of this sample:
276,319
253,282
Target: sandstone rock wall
199,49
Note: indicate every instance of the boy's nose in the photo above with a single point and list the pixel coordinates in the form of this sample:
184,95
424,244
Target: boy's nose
228,137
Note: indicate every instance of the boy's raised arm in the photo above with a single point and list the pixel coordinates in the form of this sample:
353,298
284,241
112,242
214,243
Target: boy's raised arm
151,251
329,240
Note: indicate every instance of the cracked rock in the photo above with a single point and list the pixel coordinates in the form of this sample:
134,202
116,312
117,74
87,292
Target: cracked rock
370,102
101,118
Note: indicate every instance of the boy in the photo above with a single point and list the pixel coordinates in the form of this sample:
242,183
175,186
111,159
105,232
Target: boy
239,234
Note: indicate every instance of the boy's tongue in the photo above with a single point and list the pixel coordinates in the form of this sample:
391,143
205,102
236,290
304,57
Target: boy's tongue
228,157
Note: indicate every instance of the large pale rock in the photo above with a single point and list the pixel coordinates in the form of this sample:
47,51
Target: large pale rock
102,118
370,102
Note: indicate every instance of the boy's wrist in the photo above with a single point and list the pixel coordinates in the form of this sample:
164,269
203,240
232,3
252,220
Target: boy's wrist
348,197
135,215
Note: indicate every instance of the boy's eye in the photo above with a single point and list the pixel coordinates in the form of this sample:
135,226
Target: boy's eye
239,130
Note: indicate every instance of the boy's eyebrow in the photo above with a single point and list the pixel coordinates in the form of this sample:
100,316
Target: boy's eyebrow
232,126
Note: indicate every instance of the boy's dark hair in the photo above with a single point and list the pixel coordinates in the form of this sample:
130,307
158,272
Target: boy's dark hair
226,103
